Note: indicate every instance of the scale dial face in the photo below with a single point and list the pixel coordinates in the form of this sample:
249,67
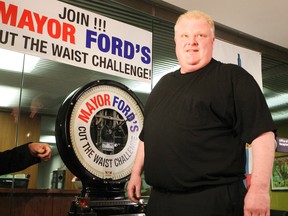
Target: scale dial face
101,127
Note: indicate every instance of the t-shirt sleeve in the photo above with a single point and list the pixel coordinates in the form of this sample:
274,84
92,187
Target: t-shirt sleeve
254,116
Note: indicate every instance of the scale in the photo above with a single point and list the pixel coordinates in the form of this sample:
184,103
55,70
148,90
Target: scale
97,131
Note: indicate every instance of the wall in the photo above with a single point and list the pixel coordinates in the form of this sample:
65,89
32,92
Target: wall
29,130
36,202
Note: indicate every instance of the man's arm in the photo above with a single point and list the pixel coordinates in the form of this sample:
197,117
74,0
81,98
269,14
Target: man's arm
257,200
23,156
16,159
40,150
135,182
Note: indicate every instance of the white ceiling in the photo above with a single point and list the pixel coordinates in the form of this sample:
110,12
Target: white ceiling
266,19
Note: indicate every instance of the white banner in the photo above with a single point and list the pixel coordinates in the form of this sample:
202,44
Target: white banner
64,33
248,59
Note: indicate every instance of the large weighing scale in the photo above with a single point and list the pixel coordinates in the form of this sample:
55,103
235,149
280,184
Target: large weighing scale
97,131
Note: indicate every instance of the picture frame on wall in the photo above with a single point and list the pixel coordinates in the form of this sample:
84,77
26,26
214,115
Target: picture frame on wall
279,178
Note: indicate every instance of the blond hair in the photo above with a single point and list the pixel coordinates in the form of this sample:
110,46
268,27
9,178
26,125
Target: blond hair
197,15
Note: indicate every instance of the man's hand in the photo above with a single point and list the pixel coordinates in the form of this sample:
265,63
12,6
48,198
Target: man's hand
40,150
257,203
134,188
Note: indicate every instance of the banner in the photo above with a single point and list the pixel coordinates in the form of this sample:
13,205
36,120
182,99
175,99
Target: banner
248,59
282,144
61,32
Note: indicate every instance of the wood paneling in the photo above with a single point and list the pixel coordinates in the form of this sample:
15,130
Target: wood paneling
7,132
36,202
28,131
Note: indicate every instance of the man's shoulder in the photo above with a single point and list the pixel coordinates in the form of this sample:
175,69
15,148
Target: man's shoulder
225,65
231,69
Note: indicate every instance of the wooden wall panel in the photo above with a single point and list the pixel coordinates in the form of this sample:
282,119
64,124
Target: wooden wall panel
28,130
36,202
7,131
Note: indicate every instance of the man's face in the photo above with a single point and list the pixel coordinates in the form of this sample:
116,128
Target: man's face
194,44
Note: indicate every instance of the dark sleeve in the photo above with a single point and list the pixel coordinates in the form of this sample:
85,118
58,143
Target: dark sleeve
252,110
16,159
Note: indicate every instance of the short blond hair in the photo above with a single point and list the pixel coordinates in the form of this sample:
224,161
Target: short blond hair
195,14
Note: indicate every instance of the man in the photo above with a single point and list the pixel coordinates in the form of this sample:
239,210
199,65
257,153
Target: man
197,122
23,156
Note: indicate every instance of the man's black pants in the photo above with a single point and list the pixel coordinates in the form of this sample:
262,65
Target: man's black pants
223,200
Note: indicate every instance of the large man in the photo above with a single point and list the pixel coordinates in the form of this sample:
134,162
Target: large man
197,122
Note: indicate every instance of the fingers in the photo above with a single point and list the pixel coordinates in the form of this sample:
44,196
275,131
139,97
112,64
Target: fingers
134,198
256,212
42,150
133,194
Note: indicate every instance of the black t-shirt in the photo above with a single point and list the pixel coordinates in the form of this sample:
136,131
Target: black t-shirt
196,126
